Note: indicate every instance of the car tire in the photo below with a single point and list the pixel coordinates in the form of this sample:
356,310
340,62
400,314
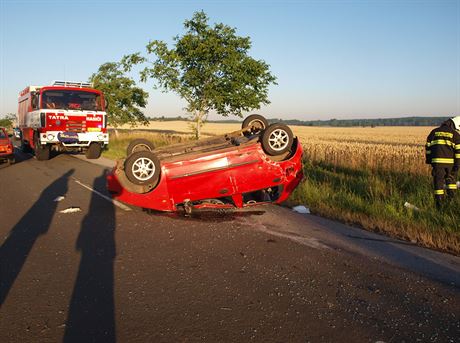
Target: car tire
257,122
139,144
11,160
143,168
94,151
277,139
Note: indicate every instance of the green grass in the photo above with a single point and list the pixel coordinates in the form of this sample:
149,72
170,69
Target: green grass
375,201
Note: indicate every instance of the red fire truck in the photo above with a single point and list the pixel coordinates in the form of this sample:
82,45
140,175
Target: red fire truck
65,116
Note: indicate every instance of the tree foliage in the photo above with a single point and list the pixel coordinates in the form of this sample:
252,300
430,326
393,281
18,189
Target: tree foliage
209,67
125,100
8,120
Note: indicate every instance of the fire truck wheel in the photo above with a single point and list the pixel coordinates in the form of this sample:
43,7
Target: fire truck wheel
143,168
42,152
277,139
139,144
94,151
257,122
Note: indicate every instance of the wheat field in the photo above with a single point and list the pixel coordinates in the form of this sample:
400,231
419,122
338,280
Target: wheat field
387,148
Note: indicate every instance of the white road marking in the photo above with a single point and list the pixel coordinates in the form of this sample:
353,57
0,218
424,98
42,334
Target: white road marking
115,202
71,210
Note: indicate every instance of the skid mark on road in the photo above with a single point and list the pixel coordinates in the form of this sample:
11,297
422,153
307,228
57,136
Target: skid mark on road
115,202
259,226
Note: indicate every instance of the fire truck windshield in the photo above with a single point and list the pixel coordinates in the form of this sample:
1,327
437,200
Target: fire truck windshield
71,100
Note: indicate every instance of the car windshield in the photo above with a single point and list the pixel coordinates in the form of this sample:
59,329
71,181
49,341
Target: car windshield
3,134
71,100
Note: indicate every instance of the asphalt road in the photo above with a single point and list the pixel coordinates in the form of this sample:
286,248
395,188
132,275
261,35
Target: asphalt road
110,273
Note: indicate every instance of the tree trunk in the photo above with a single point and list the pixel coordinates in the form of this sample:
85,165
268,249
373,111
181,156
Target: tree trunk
198,123
198,128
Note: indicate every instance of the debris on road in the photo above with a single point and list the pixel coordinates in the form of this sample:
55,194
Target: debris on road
410,206
301,209
71,210
59,198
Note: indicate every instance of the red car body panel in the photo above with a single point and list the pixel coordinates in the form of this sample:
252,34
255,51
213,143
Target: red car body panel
6,146
232,173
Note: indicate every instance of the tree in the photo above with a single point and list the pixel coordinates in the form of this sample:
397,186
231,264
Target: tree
209,67
8,120
123,97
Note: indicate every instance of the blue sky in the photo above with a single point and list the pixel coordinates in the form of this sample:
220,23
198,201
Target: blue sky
333,59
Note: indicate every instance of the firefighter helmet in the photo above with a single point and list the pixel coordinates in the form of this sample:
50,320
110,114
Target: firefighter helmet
456,121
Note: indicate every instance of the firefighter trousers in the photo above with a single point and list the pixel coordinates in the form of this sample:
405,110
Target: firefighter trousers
444,175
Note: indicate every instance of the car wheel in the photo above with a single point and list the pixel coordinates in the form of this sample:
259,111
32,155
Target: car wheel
277,139
143,168
11,160
256,122
94,151
139,144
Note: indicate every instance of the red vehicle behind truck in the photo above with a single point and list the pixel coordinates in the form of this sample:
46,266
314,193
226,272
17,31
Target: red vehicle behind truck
6,147
65,116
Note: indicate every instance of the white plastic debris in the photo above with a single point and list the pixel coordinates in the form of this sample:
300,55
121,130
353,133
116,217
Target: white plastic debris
59,198
301,209
71,210
410,206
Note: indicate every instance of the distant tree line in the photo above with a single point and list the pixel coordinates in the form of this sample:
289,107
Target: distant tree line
406,121
185,118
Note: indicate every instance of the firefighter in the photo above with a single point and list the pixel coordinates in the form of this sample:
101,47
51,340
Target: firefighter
443,153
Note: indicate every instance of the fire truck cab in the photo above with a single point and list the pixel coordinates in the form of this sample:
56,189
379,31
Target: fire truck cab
65,116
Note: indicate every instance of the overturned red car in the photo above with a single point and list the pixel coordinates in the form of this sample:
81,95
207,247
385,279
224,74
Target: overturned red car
258,164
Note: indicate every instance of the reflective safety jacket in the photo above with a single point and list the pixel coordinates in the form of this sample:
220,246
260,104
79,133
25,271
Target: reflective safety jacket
443,145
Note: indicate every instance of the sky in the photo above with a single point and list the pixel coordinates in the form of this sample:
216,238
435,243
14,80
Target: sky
332,59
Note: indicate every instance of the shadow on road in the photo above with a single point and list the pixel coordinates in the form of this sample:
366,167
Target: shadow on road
208,215
19,157
91,316
36,222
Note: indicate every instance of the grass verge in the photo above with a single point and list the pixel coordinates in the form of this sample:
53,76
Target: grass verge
374,200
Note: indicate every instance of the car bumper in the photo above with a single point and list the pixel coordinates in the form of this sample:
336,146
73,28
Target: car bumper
5,156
